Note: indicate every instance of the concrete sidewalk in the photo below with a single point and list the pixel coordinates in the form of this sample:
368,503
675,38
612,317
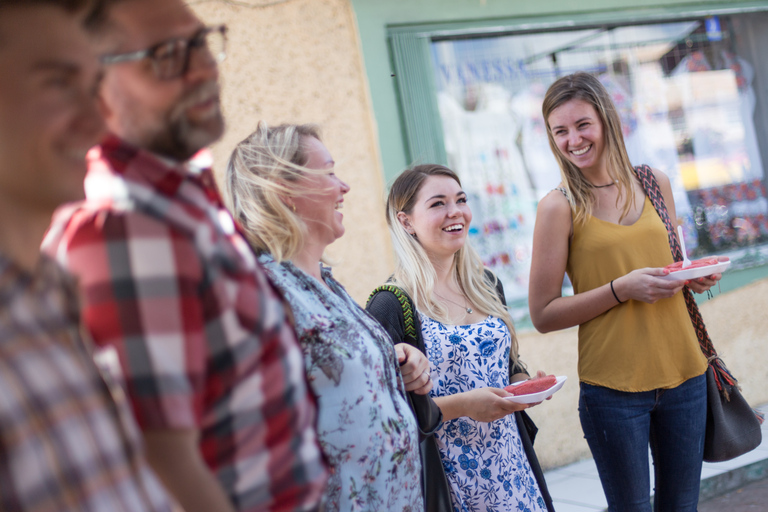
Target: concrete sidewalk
576,488
751,497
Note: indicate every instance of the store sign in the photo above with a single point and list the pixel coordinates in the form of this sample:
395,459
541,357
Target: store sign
712,25
483,70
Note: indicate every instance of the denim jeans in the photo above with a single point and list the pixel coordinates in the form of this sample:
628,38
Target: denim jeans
619,427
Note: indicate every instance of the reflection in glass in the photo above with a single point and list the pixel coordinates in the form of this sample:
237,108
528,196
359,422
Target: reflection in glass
686,101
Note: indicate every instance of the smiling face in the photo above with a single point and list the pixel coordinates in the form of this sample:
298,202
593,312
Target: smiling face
440,217
322,196
578,134
172,117
49,115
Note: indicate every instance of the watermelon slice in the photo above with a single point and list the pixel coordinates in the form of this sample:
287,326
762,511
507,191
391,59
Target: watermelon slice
531,386
703,262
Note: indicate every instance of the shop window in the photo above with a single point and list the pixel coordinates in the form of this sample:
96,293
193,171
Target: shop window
687,96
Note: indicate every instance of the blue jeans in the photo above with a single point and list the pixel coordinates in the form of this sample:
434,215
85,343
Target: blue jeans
619,426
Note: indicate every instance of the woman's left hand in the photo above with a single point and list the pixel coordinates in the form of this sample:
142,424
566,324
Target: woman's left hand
414,366
702,284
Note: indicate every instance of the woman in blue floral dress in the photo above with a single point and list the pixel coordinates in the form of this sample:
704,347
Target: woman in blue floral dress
282,189
469,340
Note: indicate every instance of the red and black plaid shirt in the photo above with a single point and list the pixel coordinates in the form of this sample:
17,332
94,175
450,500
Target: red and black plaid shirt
202,336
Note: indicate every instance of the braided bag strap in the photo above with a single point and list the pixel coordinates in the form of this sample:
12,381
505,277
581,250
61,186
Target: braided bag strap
405,303
653,192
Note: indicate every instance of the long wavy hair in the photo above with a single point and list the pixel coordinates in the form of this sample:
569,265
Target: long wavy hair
585,87
264,170
414,272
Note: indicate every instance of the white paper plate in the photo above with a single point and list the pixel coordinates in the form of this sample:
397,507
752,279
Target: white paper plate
693,273
537,397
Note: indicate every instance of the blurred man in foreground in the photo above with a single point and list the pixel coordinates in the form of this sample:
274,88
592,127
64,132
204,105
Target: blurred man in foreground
67,437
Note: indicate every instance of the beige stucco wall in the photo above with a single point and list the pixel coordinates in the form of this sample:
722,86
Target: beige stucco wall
298,61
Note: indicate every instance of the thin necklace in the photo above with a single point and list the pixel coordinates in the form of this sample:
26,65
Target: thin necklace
466,308
602,186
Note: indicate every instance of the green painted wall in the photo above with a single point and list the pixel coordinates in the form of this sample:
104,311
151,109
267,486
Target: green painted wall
374,17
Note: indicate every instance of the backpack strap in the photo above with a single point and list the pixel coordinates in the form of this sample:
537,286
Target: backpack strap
405,303
653,191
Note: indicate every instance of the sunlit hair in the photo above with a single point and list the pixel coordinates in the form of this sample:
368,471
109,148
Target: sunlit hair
414,272
263,173
585,87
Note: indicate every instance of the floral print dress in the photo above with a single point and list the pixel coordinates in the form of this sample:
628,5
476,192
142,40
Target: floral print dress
485,463
365,426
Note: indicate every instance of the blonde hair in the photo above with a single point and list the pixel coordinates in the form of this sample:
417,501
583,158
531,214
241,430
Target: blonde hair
585,87
262,172
414,272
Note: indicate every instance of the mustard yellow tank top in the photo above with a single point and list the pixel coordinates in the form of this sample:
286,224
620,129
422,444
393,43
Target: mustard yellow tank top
634,346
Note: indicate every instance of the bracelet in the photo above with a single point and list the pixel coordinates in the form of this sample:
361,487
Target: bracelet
614,294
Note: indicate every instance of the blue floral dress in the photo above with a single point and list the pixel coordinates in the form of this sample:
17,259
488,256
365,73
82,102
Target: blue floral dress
485,463
365,427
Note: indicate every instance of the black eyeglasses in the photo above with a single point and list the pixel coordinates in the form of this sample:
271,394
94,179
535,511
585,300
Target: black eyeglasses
170,59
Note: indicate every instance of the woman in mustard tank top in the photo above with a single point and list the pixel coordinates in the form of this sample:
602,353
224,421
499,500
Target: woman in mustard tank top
641,370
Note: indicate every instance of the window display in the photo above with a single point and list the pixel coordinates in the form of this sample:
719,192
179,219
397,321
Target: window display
687,103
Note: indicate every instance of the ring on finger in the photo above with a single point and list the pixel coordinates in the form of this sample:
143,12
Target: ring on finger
429,377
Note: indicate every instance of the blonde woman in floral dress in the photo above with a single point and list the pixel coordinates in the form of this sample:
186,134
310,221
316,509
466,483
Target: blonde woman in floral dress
484,445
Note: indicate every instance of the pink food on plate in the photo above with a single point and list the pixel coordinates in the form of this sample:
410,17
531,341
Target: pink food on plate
535,385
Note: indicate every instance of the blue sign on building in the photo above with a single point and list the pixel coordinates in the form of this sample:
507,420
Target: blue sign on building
712,24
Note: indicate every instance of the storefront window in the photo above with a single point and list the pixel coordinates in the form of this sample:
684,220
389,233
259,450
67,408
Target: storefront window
687,102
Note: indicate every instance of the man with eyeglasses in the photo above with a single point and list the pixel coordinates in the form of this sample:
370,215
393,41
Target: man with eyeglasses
210,362
68,440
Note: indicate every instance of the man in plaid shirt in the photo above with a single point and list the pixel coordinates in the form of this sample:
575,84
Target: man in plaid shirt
210,362
67,437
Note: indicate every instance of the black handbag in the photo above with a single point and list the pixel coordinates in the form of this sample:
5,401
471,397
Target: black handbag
733,427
